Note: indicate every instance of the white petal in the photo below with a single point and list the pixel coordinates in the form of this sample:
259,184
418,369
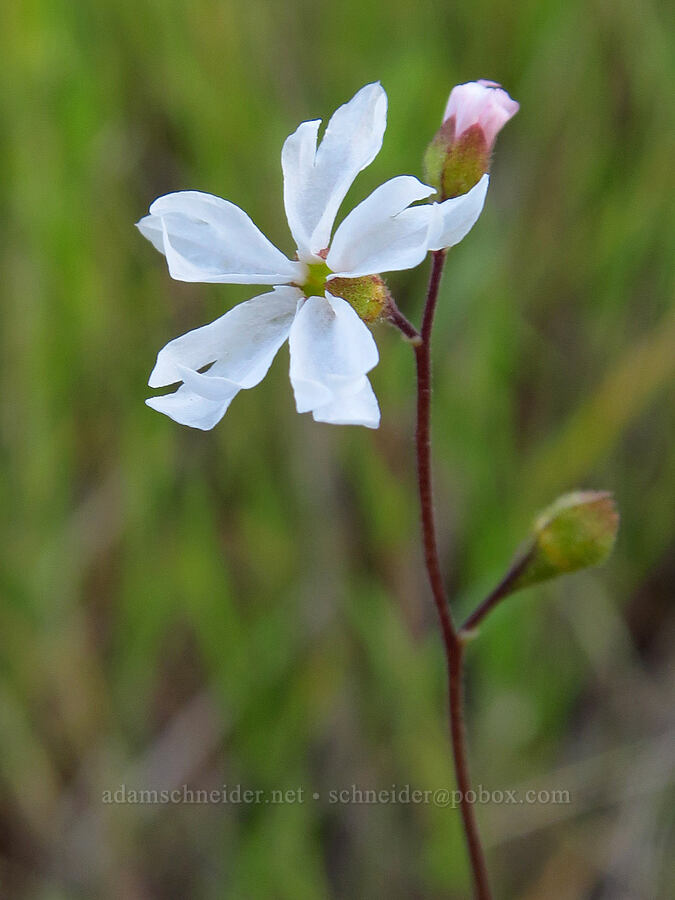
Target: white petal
303,201
211,387
381,234
358,407
456,217
241,344
316,181
151,228
208,239
188,408
331,351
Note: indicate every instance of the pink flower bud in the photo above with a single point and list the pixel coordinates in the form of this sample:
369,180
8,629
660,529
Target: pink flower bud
483,103
459,154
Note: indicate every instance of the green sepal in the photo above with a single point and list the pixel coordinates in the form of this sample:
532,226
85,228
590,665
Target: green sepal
368,295
452,166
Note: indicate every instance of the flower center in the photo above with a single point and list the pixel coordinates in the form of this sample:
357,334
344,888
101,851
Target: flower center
315,280
367,294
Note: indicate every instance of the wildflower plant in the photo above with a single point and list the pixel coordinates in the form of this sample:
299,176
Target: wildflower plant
324,300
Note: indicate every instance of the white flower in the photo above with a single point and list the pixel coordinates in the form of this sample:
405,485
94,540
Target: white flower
206,239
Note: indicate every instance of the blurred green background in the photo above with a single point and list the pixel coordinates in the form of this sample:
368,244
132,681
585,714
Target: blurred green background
247,606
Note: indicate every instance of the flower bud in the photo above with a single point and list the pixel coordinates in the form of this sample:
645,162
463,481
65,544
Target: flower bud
575,532
459,155
368,295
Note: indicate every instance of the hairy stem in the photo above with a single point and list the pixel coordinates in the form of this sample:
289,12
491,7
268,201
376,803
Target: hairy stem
396,317
451,640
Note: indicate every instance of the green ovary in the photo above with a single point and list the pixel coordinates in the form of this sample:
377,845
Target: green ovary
315,283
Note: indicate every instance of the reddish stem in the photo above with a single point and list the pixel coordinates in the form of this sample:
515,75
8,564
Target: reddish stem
396,317
451,640
503,589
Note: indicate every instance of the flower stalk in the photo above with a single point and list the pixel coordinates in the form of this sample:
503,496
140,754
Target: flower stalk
575,532
452,643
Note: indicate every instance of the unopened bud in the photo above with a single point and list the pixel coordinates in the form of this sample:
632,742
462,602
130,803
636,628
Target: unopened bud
459,155
575,532
368,295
